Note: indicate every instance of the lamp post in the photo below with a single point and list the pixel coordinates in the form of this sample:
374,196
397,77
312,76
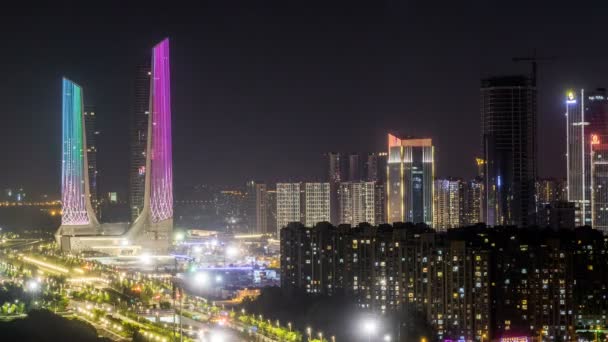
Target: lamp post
321,336
309,331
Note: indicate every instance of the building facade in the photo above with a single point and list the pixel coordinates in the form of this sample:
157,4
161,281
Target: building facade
358,203
92,133
599,183
410,176
317,207
289,199
448,206
471,284
586,115
375,167
508,112
336,173
138,140
354,168
472,202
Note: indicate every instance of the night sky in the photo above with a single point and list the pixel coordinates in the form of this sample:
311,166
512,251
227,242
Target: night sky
261,89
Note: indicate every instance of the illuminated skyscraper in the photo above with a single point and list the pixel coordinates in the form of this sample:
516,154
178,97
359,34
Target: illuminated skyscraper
78,215
472,202
586,114
599,183
90,118
288,204
152,229
139,138
380,202
316,203
410,178
508,111
358,203
448,204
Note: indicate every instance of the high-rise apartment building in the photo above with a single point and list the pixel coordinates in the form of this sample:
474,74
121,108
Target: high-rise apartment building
472,202
448,204
250,212
289,208
410,176
271,211
375,167
90,119
358,203
508,112
256,208
599,183
261,208
354,168
380,202
336,173
586,115
139,138
317,205
548,190
470,284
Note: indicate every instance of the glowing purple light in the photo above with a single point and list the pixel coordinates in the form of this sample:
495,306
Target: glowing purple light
161,177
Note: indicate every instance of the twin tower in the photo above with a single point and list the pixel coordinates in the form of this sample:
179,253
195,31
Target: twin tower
151,231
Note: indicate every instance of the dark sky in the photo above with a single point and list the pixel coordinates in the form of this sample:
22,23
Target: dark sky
261,89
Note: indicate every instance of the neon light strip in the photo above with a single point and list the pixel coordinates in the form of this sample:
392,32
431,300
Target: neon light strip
72,168
161,181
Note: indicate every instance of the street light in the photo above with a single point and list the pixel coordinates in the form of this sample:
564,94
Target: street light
309,331
369,328
33,285
387,338
201,278
321,336
289,325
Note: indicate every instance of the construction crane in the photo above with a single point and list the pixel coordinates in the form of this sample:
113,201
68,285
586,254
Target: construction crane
534,60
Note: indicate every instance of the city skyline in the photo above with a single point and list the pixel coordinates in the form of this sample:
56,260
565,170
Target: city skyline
216,86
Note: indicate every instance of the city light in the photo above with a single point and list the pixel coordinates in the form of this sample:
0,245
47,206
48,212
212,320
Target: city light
232,251
201,279
33,285
370,326
145,258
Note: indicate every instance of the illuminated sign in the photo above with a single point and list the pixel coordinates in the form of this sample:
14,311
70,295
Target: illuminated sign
515,339
595,139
